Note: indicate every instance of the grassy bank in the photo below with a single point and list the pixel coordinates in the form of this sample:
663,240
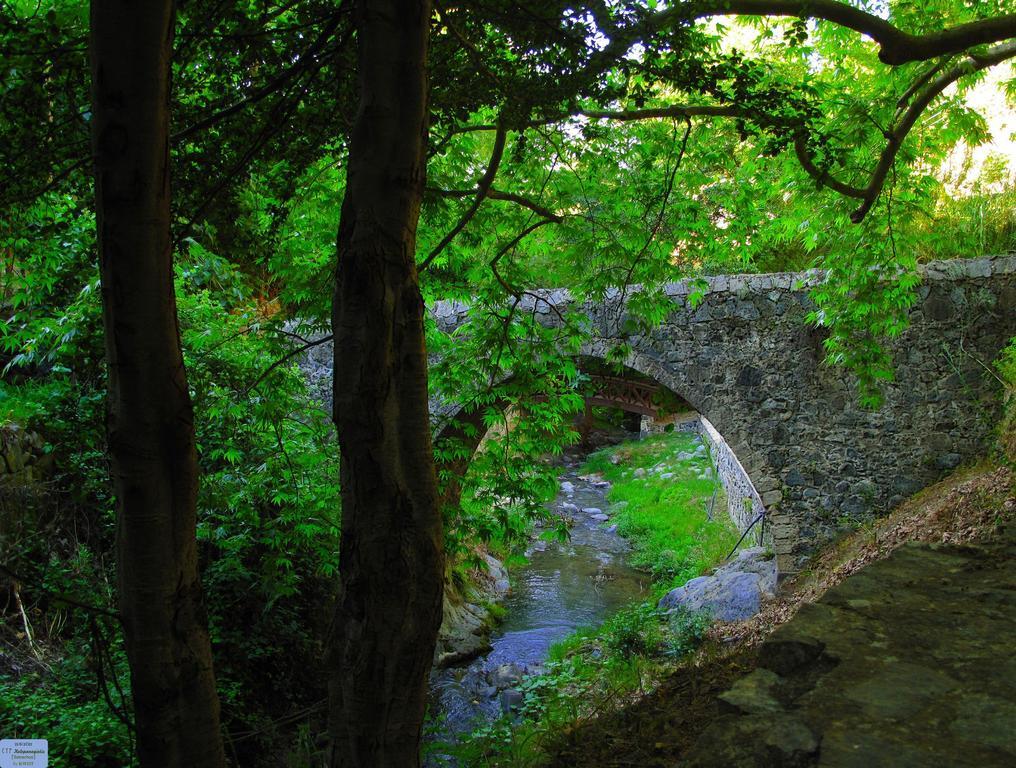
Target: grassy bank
662,490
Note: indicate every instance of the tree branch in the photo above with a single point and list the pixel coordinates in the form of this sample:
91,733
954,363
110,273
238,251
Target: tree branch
895,137
285,358
514,242
677,110
273,85
482,188
497,194
624,115
896,47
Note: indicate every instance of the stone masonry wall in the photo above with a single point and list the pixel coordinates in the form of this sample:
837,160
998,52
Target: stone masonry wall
744,505
746,360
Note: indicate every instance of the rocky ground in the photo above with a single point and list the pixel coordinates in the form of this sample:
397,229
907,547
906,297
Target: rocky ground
908,662
894,648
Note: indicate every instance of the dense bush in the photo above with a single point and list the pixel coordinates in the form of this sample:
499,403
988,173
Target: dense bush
268,506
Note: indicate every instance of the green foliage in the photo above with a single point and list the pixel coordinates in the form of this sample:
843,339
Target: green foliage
268,503
634,630
686,632
863,302
49,309
64,706
56,692
1006,365
518,394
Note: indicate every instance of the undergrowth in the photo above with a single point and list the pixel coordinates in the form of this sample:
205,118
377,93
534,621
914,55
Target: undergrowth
1006,365
663,511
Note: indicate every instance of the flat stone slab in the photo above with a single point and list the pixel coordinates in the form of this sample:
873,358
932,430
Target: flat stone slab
907,663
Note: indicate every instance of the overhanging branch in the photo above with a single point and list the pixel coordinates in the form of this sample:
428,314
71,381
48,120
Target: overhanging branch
896,47
922,97
496,194
482,188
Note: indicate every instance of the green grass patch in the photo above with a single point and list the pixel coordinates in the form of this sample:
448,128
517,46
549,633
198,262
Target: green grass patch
662,490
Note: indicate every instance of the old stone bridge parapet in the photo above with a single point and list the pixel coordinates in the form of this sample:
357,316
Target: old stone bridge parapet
745,359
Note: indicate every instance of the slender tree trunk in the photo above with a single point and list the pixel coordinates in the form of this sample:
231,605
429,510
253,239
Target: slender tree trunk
391,560
150,425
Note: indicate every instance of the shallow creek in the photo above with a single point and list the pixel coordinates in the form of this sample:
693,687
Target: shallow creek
565,585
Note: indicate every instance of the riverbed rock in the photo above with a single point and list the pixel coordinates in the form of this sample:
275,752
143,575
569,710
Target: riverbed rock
592,510
463,634
498,583
506,675
640,472
511,700
568,507
600,518
466,622
733,593
567,487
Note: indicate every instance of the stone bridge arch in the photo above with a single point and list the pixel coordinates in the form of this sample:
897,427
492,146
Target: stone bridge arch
745,358
744,504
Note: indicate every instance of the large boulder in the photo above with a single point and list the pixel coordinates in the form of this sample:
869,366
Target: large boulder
733,593
467,620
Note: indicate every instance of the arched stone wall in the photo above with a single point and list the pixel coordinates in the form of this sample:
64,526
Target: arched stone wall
745,358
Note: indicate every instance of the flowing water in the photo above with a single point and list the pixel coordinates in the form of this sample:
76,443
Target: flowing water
564,586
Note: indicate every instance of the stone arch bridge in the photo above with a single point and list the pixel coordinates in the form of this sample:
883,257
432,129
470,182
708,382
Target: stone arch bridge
746,360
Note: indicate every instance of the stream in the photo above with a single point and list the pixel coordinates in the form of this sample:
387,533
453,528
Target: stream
564,586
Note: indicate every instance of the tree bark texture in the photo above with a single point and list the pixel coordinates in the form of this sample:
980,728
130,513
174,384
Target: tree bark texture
391,556
149,421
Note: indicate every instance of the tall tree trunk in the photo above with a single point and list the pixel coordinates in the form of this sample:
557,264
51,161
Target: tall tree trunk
391,559
149,422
